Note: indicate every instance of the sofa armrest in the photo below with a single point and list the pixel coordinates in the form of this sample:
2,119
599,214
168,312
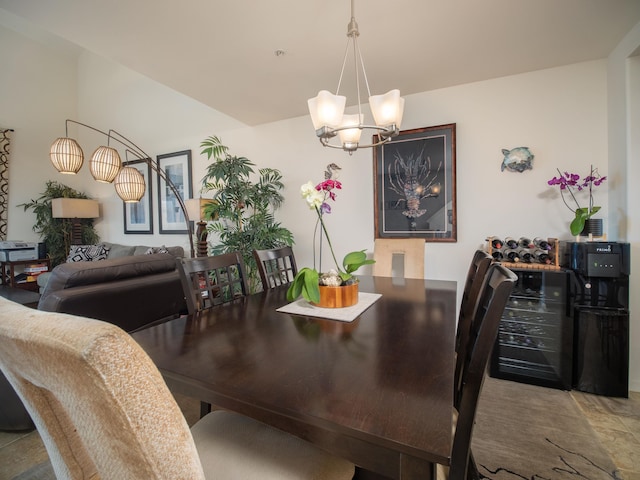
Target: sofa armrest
130,303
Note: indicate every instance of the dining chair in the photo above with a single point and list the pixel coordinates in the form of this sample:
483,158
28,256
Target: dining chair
485,320
475,276
412,251
277,266
104,411
211,281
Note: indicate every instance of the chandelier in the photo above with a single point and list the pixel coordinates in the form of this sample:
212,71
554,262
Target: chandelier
327,110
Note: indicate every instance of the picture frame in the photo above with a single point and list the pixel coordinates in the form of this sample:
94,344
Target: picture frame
415,185
138,217
177,167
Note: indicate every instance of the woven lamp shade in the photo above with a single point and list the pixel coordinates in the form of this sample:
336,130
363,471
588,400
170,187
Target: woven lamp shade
129,184
66,155
105,164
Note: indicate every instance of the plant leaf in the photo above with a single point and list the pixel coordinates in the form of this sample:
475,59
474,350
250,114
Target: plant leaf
310,289
306,284
354,260
577,225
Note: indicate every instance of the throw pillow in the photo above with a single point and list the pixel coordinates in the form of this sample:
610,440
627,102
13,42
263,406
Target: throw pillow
152,250
87,253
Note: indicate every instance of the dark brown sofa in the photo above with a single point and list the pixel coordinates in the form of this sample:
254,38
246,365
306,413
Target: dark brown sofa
130,291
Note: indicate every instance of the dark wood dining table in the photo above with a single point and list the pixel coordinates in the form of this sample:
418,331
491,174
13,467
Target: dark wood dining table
377,391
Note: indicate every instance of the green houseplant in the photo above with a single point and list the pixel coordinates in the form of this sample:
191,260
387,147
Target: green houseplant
56,232
568,182
241,212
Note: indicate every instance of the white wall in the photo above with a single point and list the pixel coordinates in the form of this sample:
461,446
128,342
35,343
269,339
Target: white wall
560,114
624,164
37,91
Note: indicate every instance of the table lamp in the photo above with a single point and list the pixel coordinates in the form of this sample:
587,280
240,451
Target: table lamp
195,209
75,209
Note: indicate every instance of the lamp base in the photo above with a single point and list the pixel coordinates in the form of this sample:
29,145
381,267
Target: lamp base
76,232
201,236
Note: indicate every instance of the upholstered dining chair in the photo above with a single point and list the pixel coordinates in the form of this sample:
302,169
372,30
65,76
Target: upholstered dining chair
103,410
411,249
485,320
210,281
277,266
475,276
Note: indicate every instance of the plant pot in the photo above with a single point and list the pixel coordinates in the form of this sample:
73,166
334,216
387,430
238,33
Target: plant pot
338,297
592,226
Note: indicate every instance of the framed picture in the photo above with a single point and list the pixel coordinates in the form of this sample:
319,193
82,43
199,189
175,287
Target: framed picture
138,216
177,167
415,185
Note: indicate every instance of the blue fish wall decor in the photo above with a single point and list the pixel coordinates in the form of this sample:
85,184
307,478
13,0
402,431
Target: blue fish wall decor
517,159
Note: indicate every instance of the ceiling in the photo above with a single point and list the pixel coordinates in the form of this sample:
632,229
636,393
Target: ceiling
222,53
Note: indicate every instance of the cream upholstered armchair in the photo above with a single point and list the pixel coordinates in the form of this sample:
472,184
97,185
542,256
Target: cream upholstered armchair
104,411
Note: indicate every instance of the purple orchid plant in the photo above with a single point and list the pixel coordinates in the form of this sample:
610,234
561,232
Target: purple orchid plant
568,182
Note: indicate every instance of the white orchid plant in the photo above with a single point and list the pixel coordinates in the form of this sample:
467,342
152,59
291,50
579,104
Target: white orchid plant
308,280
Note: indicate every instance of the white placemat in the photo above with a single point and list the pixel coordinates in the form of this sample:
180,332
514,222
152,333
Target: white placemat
345,314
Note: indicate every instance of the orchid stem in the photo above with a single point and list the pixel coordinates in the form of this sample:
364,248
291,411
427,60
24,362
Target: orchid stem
324,228
570,192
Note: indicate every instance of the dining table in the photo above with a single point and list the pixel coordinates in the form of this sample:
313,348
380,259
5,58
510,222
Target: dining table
376,389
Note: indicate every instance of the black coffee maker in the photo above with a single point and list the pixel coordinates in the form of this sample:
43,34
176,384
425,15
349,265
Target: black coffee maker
599,302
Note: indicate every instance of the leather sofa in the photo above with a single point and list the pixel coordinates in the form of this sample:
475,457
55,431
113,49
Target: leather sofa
129,291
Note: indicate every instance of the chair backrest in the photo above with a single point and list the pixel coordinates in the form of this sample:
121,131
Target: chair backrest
492,299
475,276
412,249
96,398
277,266
210,281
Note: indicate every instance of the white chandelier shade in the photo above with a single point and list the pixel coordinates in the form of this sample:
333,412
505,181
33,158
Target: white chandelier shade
130,185
66,155
387,109
350,132
326,109
105,164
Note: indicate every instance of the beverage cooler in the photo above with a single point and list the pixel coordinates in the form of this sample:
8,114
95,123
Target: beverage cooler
599,302
534,343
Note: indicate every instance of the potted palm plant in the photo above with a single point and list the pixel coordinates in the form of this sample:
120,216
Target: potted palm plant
241,212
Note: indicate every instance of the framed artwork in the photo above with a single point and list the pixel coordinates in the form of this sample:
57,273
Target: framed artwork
415,185
138,216
177,167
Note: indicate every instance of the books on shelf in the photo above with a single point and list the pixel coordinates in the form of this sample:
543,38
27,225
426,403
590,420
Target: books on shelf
36,268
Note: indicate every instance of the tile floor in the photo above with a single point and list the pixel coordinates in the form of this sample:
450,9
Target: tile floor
615,420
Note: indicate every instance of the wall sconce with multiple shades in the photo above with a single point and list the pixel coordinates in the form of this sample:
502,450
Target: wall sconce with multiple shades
75,209
327,110
106,166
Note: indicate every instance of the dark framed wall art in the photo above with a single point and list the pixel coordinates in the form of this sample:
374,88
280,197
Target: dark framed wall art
138,217
177,167
415,185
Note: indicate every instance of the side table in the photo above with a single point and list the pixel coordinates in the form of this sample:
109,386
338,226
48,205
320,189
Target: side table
8,273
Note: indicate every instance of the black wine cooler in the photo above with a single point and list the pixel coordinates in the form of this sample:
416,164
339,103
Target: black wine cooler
599,303
535,337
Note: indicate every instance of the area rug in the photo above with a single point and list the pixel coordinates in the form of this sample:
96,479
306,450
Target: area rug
535,433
